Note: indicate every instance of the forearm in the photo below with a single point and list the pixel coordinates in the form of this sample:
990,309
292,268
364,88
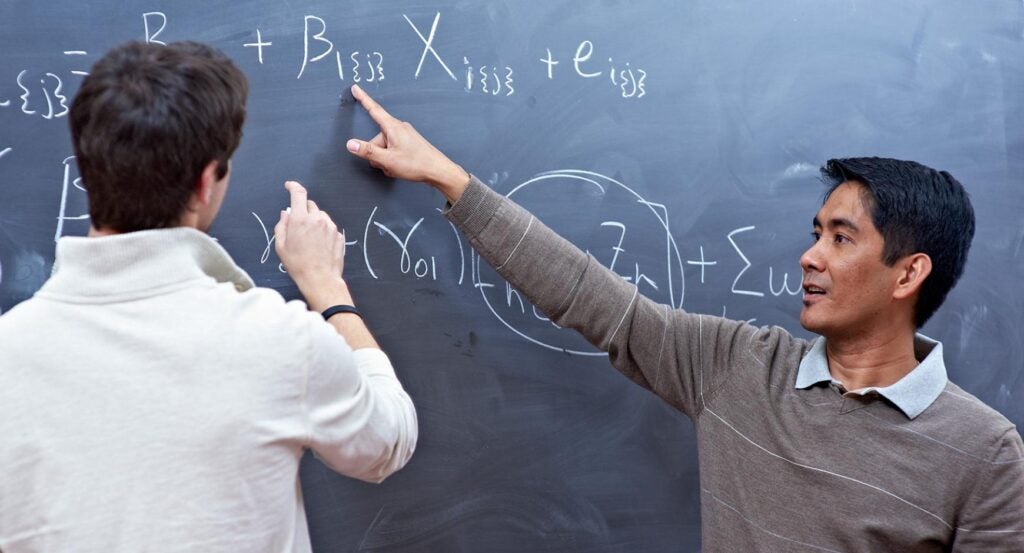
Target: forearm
556,276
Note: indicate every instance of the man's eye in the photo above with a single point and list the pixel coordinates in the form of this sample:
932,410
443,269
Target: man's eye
815,236
841,239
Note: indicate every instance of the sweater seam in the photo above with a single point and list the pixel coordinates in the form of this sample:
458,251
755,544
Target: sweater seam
730,372
701,405
564,304
516,248
661,350
986,478
625,314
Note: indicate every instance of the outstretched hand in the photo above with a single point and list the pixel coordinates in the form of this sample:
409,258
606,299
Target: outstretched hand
399,151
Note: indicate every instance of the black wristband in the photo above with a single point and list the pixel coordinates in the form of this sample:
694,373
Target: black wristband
334,310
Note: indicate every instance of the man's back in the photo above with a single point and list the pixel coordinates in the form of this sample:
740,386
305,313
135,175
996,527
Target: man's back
149,406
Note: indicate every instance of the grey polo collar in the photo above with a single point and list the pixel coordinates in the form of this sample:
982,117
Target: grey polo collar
912,394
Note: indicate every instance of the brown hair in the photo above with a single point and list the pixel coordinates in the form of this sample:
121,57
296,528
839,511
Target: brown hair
146,121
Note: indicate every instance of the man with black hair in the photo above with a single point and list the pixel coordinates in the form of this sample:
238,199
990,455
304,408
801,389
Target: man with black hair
153,398
856,441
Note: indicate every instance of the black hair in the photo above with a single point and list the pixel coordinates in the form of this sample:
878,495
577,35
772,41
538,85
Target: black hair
917,210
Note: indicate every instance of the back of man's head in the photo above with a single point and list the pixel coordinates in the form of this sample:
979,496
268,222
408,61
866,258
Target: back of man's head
146,121
916,209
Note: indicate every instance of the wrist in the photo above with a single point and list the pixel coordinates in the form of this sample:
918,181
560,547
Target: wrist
326,293
451,181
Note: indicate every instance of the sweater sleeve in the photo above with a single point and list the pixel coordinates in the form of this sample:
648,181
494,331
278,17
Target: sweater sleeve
680,356
360,420
993,518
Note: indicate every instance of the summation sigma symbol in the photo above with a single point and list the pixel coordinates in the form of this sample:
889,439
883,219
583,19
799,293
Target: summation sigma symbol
630,235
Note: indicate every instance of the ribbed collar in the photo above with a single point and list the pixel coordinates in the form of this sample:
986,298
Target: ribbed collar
138,264
912,394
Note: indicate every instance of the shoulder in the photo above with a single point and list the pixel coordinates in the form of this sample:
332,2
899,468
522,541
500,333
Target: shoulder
770,355
22,318
969,421
260,321
767,344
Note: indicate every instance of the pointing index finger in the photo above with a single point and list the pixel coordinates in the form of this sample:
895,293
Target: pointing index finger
377,113
298,197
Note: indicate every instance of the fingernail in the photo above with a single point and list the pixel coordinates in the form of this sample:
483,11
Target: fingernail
288,209
355,88
353,145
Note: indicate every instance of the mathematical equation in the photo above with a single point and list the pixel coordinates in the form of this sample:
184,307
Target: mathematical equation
430,249
42,94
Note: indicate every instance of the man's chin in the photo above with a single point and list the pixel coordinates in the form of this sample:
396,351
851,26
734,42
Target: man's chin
809,323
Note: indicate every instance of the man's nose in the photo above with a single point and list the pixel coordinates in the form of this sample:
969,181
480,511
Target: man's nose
811,259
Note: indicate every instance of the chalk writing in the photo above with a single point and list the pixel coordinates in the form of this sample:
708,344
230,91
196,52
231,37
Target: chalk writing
319,37
155,16
784,289
631,82
664,283
410,260
269,239
410,251
77,53
491,80
428,45
588,47
745,266
52,88
374,64
702,263
373,61
551,63
68,183
259,44
363,65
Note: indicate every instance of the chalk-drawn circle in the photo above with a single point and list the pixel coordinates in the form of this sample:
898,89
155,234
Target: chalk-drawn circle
673,260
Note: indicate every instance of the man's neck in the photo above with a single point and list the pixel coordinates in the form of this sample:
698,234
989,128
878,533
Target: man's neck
99,232
876,361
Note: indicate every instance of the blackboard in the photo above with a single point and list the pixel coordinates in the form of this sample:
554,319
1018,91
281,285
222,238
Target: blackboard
677,140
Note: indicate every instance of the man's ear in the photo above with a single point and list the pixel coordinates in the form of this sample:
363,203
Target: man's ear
204,186
913,270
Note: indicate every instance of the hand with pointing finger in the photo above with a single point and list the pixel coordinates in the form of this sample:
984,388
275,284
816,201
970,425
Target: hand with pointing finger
312,250
402,153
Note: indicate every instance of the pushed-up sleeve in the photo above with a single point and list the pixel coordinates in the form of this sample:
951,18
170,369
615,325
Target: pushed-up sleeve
361,422
678,355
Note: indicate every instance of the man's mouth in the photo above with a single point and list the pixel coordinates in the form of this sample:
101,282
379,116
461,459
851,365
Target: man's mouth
812,294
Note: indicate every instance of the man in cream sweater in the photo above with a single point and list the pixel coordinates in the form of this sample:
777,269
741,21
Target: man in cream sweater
153,398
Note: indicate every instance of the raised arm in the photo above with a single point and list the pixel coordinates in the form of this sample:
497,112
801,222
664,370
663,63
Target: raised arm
679,356
360,420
